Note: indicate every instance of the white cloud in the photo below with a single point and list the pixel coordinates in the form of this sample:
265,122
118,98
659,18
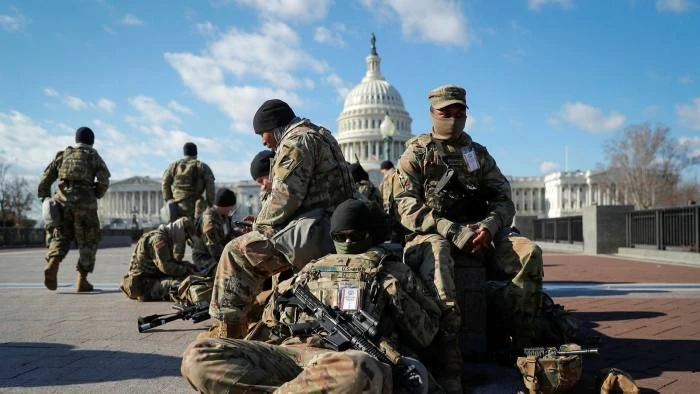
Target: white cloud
13,23
689,114
264,64
326,36
685,80
438,21
152,116
106,104
75,103
515,26
589,118
677,6
177,107
537,4
305,10
547,167
109,30
206,28
27,145
131,20
341,87
693,144
50,92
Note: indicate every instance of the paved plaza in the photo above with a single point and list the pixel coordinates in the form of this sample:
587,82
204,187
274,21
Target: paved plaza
644,317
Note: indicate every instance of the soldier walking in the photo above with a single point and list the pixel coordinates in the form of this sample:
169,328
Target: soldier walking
184,182
83,177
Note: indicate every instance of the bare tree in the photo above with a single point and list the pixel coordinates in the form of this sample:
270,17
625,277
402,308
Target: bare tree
16,198
647,163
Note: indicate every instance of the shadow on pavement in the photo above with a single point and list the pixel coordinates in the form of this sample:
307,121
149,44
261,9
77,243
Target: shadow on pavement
589,318
37,364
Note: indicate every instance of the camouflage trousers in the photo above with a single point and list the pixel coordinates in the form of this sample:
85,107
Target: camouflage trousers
81,225
149,288
430,256
244,265
519,260
236,365
190,207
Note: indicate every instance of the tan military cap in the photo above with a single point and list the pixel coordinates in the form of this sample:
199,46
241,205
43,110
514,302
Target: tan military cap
447,94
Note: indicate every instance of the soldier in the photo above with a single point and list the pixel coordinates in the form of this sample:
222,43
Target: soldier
363,185
260,172
157,264
309,179
184,182
407,313
453,197
386,188
83,177
214,230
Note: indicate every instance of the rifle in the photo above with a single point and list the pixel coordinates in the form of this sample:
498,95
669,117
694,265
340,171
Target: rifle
343,330
197,312
552,351
241,223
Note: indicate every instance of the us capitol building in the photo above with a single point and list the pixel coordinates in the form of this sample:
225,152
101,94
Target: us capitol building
372,127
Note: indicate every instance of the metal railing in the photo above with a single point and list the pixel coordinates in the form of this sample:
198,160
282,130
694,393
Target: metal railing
564,230
669,228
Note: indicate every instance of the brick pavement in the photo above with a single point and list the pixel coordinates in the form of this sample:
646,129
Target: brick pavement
70,343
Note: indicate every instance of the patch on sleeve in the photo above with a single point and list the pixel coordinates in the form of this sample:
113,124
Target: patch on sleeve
160,244
287,160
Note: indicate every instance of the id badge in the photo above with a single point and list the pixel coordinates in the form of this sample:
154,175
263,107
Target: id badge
350,298
470,158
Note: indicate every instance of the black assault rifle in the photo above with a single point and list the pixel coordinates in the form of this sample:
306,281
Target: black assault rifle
343,330
552,351
197,312
241,223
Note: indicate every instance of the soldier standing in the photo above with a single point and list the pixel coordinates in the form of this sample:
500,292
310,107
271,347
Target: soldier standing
184,182
157,264
383,287
309,179
83,177
215,230
451,194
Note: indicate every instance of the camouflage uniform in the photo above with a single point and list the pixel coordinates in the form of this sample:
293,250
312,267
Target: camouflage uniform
371,192
215,231
83,177
184,182
408,318
386,188
156,264
309,179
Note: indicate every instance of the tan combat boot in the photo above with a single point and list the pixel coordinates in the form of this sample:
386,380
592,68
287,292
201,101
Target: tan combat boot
50,275
82,283
224,330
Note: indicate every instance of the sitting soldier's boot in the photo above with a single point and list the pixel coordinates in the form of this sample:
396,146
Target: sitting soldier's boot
82,283
50,274
224,330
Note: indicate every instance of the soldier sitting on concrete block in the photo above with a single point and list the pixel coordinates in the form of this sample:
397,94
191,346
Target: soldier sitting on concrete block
157,264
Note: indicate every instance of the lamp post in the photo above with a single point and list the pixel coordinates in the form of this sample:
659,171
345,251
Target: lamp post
388,130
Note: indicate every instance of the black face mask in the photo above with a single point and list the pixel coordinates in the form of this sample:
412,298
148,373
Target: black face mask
353,247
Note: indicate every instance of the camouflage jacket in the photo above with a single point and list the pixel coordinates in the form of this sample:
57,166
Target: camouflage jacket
215,231
154,255
308,171
82,176
371,192
188,178
380,284
477,191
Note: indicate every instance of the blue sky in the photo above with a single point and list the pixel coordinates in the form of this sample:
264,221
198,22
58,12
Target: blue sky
543,76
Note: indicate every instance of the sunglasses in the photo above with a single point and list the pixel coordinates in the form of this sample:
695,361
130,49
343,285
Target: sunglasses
349,236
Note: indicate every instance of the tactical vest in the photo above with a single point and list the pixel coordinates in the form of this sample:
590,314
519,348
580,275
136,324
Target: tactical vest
346,281
460,199
77,165
186,180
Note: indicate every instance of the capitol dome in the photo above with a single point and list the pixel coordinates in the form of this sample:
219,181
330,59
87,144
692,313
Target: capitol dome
374,124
